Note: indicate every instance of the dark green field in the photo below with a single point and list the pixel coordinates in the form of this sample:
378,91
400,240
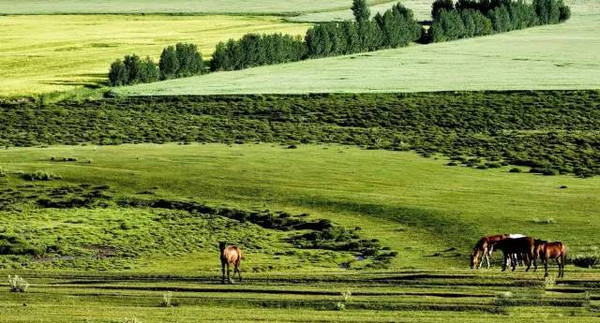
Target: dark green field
552,132
116,202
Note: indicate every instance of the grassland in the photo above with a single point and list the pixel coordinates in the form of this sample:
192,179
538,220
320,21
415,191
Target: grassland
40,54
547,57
429,213
416,206
273,7
421,10
379,297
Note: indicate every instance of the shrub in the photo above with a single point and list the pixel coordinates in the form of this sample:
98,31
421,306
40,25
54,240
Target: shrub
189,59
439,5
17,284
543,221
341,305
132,70
515,170
40,176
169,63
167,299
587,261
117,75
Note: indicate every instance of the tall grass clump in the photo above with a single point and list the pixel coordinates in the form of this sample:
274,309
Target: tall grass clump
17,284
341,305
40,176
167,299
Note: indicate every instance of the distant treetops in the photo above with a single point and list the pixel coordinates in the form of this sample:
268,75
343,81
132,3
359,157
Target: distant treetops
394,28
180,61
469,18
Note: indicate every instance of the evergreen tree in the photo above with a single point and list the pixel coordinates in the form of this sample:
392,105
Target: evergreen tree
219,58
169,63
350,33
133,68
189,59
117,76
361,10
439,5
148,71
564,12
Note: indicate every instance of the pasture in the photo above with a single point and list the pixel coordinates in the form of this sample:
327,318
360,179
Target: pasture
48,53
547,57
418,207
428,213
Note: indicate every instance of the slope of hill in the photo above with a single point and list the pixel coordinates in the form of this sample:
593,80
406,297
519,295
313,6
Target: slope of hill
547,57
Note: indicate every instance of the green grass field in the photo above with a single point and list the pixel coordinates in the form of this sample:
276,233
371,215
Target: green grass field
429,213
547,57
420,8
416,206
40,54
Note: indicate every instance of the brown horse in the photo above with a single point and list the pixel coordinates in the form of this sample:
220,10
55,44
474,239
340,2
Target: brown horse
552,250
519,246
230,255
485,246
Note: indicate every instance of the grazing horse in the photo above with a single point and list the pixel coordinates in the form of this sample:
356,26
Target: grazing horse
519,246
230,255
552,250
538,248
485,246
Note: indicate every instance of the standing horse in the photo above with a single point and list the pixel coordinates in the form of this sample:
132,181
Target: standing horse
538,248
230,255
553,250
520,246
485,247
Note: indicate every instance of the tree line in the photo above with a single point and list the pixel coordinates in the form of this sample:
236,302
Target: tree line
394,28
470,18
181,60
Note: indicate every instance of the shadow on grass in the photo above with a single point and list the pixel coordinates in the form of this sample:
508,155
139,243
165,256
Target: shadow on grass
445,227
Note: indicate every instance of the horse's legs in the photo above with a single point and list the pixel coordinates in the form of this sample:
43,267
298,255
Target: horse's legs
559,264
228,273
483,255
487,257
223,271
505,262
545,261
527,258
237,268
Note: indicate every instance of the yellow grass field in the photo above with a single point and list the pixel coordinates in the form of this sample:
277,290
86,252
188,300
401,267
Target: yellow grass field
47,53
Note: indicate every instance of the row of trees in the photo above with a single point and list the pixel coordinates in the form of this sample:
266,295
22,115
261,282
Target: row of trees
395,28
255,50
179,61
469,18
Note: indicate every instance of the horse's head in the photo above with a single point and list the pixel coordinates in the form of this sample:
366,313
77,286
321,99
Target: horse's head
475,258
538,247
222,245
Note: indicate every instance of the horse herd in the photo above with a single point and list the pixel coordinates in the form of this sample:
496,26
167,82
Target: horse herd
515,247
519,248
